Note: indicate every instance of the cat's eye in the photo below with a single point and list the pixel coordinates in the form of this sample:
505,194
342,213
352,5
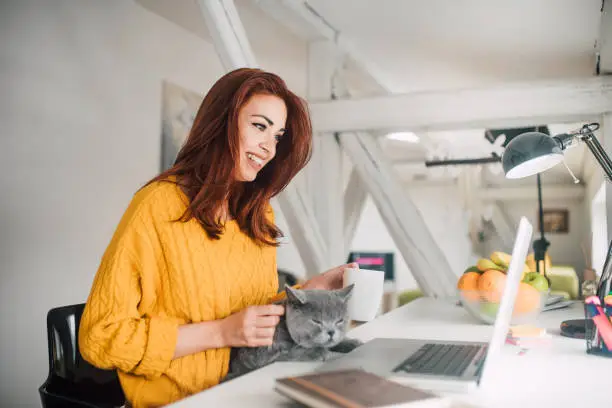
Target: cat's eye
341,321
315,321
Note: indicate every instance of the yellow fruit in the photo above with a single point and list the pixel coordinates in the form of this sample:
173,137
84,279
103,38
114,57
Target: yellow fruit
491,285
501,258
485,264
531,263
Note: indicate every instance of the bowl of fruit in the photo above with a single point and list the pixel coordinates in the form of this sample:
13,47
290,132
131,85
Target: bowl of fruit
481,287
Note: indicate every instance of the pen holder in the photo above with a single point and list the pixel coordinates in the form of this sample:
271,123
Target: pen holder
598,335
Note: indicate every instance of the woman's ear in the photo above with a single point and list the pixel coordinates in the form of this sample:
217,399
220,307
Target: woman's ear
295,295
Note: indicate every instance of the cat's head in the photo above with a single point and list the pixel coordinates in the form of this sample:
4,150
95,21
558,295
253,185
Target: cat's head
317,318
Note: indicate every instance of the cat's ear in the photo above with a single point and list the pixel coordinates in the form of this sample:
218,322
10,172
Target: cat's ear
345,293
295,295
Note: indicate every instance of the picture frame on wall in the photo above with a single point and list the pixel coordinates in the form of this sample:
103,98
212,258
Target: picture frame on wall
556,221
179,108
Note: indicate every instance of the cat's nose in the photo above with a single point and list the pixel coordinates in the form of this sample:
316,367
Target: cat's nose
331,333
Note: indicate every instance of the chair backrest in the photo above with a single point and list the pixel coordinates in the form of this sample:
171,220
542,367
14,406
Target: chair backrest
285,278
69,374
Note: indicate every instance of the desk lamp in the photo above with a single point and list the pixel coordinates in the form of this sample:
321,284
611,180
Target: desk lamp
534,152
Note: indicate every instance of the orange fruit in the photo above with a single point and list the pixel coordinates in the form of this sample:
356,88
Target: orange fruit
527,299
491,284
468,284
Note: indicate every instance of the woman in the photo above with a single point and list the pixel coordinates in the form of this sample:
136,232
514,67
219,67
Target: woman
191,269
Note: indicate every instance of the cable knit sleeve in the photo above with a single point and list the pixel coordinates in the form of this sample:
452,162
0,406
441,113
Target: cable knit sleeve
113,334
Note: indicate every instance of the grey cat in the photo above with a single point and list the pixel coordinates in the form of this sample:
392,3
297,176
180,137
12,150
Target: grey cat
313,328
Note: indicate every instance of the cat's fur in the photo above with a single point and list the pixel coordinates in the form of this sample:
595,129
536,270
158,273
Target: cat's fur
313,328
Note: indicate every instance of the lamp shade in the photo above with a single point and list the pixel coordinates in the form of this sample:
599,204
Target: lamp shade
530,153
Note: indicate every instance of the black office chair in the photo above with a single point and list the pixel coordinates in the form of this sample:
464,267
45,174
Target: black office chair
285,277
73,382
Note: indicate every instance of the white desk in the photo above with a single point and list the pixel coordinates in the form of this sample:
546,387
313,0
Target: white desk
557,375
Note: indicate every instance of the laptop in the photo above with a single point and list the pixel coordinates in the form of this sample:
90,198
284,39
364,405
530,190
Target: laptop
453,366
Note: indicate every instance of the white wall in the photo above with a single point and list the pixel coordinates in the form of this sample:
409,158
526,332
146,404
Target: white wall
80,121
446,221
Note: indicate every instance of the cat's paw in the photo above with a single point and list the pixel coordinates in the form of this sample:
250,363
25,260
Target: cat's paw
347,345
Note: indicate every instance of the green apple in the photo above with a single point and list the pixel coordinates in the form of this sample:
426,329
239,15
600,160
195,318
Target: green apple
473,269
536,280
489,309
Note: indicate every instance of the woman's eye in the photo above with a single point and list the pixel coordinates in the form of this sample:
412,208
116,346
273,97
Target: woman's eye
260,126
278,138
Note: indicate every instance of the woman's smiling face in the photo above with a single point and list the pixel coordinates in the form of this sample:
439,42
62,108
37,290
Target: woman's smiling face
261,125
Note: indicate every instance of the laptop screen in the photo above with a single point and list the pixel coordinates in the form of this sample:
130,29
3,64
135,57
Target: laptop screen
515,270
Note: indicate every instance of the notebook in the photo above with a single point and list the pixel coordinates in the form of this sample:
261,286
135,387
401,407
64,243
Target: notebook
354,388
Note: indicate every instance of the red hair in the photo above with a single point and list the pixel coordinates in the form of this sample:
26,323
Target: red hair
205,166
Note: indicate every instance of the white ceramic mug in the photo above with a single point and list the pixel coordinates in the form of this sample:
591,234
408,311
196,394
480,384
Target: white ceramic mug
367,294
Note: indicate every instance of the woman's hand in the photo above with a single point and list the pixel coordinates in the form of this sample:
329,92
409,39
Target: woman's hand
329,280
252,327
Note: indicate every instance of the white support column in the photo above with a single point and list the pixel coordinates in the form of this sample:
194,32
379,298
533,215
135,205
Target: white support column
469,182
325,168
403,220
234,50
605,39
606,142
355,197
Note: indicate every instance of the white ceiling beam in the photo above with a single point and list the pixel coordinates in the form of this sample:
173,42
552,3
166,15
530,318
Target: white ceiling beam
605,38
299,18
234,50
228,33
402,218
303,20
514,104
563,193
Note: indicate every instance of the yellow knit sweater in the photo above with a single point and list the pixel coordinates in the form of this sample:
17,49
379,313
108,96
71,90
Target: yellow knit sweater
156,275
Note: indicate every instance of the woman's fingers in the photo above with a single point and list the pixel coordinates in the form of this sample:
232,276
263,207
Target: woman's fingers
264,333
266,321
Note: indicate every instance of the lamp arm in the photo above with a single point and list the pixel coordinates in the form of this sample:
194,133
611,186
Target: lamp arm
586,135
600,155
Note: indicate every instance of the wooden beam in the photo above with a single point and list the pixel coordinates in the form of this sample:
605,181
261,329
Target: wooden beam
562,193
605,38
513,104
234,50
401,217
355,197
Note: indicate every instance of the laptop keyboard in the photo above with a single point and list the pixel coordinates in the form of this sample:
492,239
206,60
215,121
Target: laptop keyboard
441,359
